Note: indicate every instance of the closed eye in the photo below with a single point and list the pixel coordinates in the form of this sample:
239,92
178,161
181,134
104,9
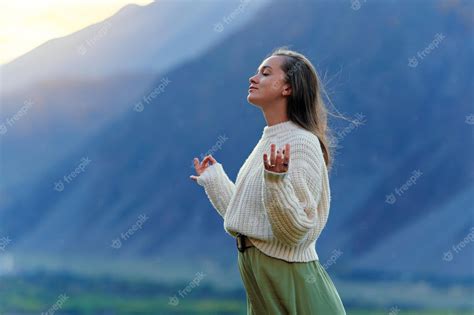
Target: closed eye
264,74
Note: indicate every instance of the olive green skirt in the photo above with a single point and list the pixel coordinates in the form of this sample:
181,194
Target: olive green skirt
275,286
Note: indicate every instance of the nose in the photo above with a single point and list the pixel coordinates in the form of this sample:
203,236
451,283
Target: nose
253,79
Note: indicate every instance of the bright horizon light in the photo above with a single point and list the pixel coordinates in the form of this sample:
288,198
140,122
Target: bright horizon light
26,24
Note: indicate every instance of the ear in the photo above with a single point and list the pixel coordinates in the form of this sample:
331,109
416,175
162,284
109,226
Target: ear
286,90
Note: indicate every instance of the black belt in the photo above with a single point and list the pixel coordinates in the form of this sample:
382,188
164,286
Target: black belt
243,242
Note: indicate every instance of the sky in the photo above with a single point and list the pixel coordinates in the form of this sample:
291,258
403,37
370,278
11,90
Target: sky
26,24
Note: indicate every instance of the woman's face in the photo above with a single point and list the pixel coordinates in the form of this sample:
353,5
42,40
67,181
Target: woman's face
268,85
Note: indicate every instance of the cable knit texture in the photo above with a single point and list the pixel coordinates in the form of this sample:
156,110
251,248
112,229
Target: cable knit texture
283,214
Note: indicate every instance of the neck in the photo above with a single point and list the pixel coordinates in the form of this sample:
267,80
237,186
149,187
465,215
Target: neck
276,115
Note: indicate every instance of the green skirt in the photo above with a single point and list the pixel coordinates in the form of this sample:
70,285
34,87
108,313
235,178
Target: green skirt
275,286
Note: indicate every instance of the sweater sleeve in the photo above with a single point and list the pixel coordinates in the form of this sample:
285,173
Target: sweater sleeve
219,188
291,199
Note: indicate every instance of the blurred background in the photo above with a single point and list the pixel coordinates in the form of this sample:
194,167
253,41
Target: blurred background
105,104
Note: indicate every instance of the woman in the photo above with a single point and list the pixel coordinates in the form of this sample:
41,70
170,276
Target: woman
279,203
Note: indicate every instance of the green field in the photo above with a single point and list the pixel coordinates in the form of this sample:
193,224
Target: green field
101,304
38,293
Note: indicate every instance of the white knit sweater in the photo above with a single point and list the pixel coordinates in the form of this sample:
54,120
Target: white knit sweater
283,214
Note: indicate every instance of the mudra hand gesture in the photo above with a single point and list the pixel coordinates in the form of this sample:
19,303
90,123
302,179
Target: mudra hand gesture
201,167
278,163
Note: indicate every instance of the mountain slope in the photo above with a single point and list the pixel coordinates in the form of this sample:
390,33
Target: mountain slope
137,39
84,88
415,118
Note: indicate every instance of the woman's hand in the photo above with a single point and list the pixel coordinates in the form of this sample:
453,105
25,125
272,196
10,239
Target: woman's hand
279,162
201,167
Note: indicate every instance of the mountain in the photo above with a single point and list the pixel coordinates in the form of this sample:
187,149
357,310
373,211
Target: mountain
95,74
402,181
137,39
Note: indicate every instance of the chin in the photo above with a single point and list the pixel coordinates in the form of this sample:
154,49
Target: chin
252,101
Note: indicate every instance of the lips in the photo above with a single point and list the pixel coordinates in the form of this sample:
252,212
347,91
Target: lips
252,88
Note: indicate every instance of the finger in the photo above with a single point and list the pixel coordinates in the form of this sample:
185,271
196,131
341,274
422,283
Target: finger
286,159
194,178
205,161
213,160
265,161
196,162
279,159
209,159
272,154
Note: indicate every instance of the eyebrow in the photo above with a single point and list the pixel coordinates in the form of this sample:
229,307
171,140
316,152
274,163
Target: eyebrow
264,68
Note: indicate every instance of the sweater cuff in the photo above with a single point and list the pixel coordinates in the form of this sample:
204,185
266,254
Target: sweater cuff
273,176
210,172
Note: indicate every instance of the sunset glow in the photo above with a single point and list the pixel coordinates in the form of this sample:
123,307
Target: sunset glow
26,24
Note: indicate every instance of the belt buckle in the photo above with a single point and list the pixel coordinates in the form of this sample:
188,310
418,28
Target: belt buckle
240,242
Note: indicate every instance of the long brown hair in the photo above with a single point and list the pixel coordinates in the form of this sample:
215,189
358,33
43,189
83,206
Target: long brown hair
305,104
